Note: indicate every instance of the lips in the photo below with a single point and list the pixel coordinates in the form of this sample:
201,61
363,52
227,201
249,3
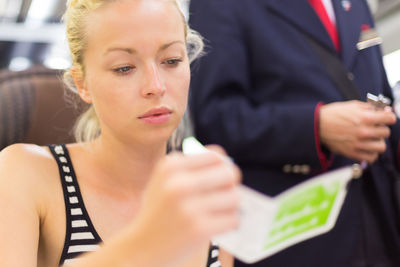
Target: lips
156,115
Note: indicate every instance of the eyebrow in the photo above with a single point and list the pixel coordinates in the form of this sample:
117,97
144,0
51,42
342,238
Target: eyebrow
133,51
163,47
127,50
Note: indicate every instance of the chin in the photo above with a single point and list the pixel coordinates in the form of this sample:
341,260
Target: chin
160,136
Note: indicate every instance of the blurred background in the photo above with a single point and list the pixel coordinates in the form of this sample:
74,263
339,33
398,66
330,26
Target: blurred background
31,33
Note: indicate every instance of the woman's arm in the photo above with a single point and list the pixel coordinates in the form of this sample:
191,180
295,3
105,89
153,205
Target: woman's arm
19,212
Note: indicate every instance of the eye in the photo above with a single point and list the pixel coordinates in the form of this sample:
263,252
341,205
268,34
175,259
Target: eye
123,69
173,62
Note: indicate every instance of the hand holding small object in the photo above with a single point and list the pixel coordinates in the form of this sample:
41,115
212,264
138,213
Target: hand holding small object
354,129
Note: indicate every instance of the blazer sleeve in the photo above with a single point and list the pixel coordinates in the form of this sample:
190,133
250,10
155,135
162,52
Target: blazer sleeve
224,100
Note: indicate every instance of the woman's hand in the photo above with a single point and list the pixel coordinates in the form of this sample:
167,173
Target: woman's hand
189,200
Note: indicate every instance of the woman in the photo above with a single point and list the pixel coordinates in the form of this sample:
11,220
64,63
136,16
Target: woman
133,206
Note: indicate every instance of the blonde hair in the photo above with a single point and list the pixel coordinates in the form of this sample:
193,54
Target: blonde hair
87,126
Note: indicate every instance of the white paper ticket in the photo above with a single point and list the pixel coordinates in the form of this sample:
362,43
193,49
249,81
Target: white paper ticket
269,225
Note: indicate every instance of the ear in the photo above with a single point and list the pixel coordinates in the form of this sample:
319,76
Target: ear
80,84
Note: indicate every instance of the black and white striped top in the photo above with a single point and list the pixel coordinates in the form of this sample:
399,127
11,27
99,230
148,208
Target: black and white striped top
81,236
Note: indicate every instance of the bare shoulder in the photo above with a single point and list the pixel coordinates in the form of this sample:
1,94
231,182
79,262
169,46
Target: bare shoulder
24,157
22,150
26,167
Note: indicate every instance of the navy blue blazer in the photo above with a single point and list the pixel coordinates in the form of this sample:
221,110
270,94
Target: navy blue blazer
257,91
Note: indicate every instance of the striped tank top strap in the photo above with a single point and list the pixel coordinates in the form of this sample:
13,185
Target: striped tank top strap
81,235
213,254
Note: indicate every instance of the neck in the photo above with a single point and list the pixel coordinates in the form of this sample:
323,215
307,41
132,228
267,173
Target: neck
126,166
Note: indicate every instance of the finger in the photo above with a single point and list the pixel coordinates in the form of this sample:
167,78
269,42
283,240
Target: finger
367,106
220,152
210,178
222,201
371,146
379,117
217,149
176,164
188,162
373,132
361,155
221,223
374,107
388,109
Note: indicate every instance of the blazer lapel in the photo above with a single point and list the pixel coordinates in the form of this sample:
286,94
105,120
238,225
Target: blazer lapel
348,23
301,14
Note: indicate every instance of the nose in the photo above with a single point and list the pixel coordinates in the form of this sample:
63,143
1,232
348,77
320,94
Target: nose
154,84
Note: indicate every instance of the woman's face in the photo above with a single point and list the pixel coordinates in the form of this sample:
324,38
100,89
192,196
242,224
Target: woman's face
136,69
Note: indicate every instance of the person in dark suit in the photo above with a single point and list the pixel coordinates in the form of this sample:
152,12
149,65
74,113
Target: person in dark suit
264,95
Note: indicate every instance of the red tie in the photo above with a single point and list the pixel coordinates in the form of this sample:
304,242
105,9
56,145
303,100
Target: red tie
329,26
